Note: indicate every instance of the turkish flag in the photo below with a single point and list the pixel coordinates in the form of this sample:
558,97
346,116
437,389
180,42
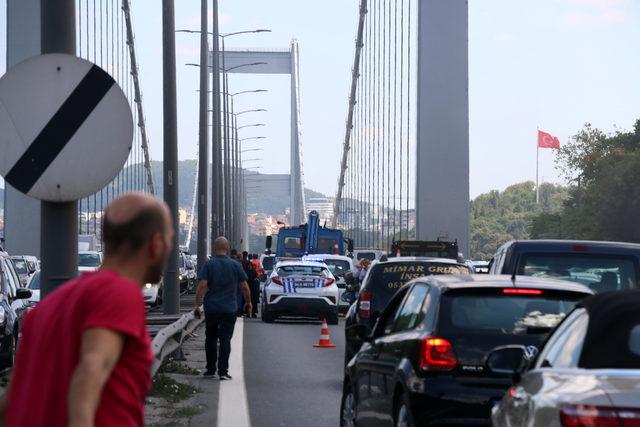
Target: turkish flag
546,140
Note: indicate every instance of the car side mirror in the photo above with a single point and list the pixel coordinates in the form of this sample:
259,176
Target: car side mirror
350,245
23,293
509,360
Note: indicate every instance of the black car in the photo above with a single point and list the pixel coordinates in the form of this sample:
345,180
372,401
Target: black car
424,362
381,283
12,310
603,266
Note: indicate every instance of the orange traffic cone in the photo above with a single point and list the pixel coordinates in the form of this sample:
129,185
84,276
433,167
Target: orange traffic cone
325,340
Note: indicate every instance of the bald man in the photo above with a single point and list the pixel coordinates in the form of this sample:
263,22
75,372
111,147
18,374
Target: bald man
85,353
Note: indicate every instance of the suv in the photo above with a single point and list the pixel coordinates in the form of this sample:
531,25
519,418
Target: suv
602,266
12,310
424,363
380,284
302,289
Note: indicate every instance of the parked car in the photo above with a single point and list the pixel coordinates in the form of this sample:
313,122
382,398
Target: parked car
338,265
25,266
89,261
300,289
424,362
381,282
187,275
12,310
603,266
152,293
587,374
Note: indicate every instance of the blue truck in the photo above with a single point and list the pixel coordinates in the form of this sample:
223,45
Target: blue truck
309,238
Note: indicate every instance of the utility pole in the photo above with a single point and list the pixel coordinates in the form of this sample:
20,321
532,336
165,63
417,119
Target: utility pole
171,292
203,149
59,221
216,133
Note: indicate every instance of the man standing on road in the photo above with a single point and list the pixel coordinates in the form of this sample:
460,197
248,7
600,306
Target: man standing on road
254,284
85,350
220,279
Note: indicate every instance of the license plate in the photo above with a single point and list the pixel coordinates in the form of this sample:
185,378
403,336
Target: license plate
304,285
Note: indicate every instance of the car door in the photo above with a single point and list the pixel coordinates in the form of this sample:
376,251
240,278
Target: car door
529,399
400,343
368,380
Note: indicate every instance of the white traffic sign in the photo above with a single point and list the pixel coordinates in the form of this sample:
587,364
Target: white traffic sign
65,127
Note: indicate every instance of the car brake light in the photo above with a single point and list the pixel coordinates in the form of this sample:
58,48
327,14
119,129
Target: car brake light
364,305
276,280
516,291
436,354
592,416
328,282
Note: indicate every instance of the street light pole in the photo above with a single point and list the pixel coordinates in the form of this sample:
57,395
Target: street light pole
216,136
171,292
203,148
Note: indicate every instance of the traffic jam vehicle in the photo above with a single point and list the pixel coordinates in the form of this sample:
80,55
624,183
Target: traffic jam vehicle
586,375
380,284
300,289
339,265
424,362
603,266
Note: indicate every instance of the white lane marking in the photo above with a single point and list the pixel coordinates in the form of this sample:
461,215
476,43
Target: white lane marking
233,408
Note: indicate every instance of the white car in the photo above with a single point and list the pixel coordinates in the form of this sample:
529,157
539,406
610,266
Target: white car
300,289
34,286
152,293
370,254
89,261
338,265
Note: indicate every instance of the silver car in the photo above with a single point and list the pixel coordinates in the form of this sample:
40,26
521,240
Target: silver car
587,374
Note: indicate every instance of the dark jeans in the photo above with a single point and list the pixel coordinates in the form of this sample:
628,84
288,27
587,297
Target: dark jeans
255,296
219,327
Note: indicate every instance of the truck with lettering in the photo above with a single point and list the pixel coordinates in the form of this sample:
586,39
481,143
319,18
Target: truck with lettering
308,239
381,282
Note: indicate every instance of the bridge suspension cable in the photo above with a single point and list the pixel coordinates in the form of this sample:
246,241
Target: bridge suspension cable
373,202
105,37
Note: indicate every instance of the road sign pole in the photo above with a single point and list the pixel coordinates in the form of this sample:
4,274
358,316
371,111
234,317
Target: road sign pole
59,221
171,291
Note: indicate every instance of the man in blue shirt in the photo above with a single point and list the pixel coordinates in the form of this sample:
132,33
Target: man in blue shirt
220,279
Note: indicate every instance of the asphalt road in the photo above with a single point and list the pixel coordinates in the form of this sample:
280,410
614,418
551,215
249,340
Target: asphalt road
288,381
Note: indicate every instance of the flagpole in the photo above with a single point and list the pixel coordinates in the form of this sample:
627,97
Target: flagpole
537,168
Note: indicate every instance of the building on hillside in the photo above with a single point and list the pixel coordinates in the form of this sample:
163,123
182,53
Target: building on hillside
322,205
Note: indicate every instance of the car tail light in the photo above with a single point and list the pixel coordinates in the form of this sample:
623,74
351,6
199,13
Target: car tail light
276,280
436,354
600,416
516,291
364,305
328,282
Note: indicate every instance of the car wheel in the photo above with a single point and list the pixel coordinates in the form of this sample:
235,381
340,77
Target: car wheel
403,417
348,408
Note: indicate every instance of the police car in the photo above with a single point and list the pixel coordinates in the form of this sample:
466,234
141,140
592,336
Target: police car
338,265
300,289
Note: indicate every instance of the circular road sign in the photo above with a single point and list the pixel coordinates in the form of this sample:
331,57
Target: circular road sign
65,127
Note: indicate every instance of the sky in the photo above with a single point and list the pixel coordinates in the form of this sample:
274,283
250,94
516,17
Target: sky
548,64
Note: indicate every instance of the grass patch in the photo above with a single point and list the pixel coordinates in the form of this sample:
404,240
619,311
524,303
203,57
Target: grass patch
187,411
170,389
173,367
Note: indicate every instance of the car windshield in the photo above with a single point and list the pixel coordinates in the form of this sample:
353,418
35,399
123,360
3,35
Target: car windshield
327,246
599,272
34,284
21,266
504,314
302,270
386,278
338,267
89,260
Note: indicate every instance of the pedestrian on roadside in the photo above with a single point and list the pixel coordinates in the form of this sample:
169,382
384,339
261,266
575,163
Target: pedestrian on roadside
219,284
254,284
85,350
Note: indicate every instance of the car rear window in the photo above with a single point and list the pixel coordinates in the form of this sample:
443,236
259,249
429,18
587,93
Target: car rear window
267,263
493,311
302,270
599,272
385,279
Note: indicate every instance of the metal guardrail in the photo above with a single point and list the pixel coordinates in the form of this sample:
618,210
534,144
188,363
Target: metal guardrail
171,337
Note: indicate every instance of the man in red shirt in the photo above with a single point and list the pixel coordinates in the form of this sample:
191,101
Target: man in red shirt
84,357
